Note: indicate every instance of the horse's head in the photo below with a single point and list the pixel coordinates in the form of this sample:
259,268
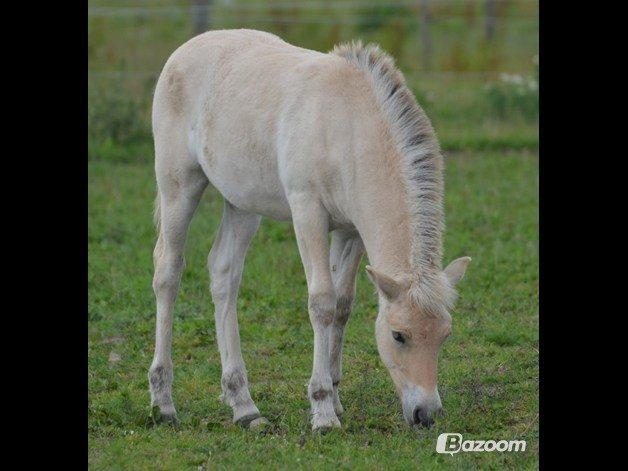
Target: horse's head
411,326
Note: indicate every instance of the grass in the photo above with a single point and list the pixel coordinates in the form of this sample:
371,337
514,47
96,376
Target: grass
488,372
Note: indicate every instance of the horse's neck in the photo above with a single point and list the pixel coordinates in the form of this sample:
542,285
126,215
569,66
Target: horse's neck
383,219
388,248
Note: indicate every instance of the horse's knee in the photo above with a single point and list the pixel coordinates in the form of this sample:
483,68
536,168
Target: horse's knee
322,307
343,309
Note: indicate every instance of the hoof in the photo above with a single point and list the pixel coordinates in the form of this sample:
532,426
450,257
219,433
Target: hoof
259,424
324,425
252,421
160,417
338,409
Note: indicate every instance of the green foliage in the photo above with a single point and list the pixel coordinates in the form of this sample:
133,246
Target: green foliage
488,372
117,116
119,121
469,109
515,96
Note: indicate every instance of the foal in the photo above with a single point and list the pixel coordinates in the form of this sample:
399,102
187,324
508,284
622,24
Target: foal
335,143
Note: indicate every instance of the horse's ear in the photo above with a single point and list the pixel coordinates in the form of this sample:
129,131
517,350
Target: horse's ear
456,269
387,285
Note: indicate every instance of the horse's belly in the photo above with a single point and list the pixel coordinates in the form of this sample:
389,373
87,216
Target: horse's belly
258,200
249,184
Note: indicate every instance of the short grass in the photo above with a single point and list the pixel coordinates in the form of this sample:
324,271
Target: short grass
488,369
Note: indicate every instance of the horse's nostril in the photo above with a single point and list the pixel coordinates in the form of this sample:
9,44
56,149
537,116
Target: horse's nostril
418,412
421,417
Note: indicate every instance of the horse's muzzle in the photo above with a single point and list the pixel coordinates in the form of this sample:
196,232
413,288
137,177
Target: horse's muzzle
422,417
420,408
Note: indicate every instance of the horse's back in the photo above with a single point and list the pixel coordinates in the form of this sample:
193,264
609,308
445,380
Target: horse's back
198,67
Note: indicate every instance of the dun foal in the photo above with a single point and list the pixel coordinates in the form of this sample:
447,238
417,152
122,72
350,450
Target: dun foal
336,143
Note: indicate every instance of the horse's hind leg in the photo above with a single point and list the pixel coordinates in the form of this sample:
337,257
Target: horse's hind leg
345,254
179,191
225,263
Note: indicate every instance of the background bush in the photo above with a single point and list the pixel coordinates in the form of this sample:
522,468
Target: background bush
465,78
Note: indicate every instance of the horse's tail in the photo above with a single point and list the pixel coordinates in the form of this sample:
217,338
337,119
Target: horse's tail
157,211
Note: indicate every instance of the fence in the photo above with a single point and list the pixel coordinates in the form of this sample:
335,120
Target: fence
471,63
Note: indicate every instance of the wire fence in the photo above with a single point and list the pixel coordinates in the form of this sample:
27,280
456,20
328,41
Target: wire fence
375,19
206,6
472,64
426,16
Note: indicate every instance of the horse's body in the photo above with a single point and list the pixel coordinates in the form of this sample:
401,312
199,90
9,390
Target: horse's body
322,140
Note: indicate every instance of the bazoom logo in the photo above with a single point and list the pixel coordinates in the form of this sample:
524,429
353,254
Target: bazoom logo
453,443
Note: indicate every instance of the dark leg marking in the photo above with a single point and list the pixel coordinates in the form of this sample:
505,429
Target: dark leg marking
247,419
320,394
232,382
157,378
343,309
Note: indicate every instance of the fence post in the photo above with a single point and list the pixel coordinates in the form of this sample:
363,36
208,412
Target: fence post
490,19
426,41
201,13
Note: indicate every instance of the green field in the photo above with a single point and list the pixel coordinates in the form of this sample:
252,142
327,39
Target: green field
481,94
488,370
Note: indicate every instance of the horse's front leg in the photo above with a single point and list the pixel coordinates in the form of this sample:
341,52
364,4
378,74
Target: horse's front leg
311,227
346,252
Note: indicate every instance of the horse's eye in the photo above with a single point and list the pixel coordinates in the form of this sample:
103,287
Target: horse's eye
398,336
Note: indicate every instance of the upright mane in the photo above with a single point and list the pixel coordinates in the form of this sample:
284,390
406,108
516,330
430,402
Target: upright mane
422,169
